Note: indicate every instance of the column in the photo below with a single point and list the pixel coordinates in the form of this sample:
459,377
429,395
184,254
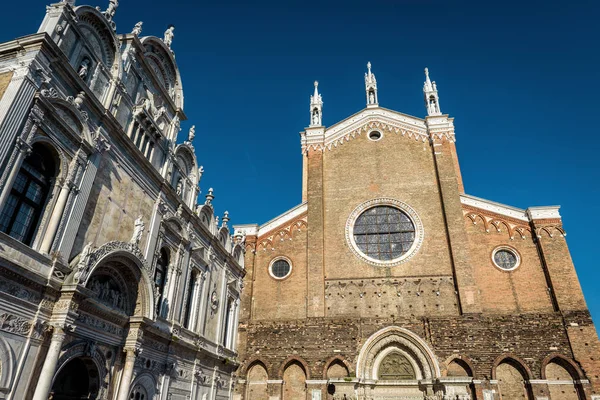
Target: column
203,296
236,319
126,375
57,213
24,149
194,305
168,299
230,326
49,368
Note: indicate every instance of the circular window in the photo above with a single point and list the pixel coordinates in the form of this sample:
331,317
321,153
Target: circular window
384,232
280,268
375,135
506,258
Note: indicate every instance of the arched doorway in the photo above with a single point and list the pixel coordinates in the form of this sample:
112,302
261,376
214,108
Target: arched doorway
77,380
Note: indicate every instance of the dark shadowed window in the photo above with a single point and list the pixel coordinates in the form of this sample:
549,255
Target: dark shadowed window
25,204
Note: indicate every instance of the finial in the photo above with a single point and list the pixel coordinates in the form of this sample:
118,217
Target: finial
316,107
225,218
168,39
209,197
137,29
371,87
430,93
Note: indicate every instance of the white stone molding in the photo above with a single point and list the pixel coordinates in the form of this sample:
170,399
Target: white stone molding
406,342
408,210
276,222
547,212
496,208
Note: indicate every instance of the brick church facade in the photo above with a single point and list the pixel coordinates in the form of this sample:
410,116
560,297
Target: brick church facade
388,281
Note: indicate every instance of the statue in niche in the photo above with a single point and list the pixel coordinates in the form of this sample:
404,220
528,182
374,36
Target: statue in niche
84,68
179,188
371,98
192,133
315,120
168,39
138,229
137,29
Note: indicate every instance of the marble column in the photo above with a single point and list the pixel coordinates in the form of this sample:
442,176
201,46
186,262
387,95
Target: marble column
49,368
126,375
57,213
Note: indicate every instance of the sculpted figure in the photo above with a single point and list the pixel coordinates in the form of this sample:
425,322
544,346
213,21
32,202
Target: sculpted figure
112,8
138,229
83,261
316,118
179,188
192,133
137,29
84,68
168,39
371,98
200,173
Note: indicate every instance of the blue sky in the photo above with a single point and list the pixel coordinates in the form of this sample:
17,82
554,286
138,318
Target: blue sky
520,78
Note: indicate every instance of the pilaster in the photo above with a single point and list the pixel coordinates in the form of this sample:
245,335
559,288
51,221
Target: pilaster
441,131
315,306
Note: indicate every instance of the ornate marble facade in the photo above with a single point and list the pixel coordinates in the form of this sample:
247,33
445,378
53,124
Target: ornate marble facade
114,282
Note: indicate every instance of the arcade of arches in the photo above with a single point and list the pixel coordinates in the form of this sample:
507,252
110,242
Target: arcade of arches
396,364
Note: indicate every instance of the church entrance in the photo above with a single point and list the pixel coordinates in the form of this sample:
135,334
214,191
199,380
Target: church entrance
77,380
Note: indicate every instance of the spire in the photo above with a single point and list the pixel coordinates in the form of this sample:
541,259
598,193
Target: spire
316,108
371,87
430,93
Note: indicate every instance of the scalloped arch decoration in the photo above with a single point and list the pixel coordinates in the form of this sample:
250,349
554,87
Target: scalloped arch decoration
97,33
160,62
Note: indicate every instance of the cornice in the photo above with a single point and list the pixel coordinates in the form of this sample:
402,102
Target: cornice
493,207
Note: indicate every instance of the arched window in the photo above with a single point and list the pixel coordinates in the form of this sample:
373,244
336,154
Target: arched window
160,273
25,204
190,302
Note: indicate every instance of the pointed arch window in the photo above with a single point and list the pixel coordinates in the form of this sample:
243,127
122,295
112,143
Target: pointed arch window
28,196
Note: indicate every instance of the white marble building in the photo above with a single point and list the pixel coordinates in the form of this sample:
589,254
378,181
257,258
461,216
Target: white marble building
114,283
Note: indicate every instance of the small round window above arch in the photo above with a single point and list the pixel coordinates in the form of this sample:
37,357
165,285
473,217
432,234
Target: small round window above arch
280,268
375,136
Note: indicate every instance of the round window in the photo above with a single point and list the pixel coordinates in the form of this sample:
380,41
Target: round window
506,258
375,135
280,268
384,232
